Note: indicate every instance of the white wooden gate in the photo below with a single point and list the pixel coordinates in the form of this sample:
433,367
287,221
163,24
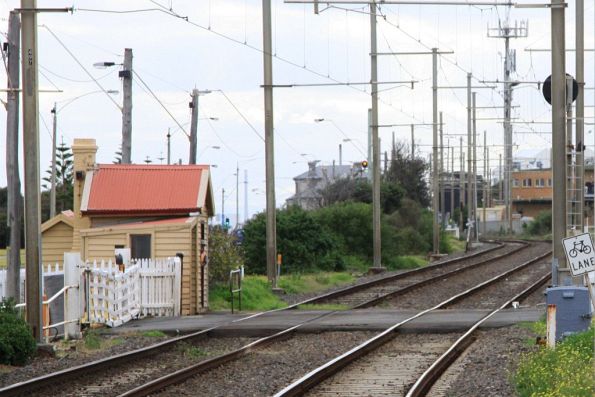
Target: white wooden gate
146,288
160,286
113,296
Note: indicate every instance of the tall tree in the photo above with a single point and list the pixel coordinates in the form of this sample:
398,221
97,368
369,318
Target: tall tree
409,173
64,179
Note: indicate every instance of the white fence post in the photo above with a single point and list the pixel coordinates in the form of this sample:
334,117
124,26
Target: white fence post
177,287
72,296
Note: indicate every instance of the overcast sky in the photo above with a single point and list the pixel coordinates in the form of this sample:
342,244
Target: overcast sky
218,48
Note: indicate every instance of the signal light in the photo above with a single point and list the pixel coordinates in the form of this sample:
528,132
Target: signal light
364,164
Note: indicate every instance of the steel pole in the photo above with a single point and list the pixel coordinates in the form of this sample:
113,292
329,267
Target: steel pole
475,220
237,195
245,196
31,148
580,113
452,182
271,224
469,155
461,186
435,169
441,176
412,141
558,135
484,199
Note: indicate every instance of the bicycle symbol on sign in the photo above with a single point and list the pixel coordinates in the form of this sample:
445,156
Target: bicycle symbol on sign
579,247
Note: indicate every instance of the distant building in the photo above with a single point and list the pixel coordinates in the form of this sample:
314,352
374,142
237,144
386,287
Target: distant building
532,191
308,185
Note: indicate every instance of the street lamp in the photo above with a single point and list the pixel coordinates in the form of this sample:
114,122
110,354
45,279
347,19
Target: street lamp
55,112
207,148
126,75
346,139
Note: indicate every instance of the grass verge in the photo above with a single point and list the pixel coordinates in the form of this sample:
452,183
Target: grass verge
566,371
3,258
257,294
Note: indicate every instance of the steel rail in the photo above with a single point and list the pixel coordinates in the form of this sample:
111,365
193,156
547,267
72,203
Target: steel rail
325,371
185,373
355,288
108,362
425,382
431,280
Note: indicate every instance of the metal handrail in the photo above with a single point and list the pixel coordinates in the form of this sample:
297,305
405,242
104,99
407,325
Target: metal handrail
239,273
47,302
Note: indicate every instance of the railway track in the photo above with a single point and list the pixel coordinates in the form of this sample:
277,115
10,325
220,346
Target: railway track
153,352
402,369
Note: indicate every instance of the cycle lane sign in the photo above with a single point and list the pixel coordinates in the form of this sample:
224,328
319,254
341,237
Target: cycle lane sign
580,254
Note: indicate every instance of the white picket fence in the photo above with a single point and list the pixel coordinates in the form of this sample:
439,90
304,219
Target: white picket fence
112,297
47,270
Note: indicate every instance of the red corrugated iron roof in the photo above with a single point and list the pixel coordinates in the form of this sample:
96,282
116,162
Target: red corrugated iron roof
147,189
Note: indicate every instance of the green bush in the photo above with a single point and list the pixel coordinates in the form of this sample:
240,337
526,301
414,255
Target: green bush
541,225
17,344
301,240
224,255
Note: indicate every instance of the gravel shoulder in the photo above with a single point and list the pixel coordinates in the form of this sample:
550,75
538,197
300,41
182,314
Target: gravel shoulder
486,367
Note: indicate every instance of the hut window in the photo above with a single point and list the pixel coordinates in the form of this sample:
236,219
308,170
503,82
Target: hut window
140,246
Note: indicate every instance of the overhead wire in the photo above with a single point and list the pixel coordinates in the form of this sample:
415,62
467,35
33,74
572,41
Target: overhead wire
160,103
71,79
81,65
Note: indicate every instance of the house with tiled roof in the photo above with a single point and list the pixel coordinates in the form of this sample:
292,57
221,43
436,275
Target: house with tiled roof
156,211
309,184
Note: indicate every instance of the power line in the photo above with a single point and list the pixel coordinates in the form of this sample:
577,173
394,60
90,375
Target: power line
161,103
71,79
82,67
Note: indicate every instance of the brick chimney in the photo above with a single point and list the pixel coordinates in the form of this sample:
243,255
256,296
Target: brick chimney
84,151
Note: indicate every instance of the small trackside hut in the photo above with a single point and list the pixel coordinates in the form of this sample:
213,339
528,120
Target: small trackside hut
156,211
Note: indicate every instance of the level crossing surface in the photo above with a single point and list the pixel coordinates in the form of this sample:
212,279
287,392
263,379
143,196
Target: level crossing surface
348,320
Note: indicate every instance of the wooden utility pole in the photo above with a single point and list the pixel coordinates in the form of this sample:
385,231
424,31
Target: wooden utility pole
168,147
31,150
375,142
126,75
193,126
54,112
269,143
13,217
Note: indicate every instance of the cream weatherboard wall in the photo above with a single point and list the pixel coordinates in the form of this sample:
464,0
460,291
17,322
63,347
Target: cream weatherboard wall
167,240
56,240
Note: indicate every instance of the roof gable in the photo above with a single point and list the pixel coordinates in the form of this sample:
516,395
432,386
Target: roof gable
66,217
146,189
